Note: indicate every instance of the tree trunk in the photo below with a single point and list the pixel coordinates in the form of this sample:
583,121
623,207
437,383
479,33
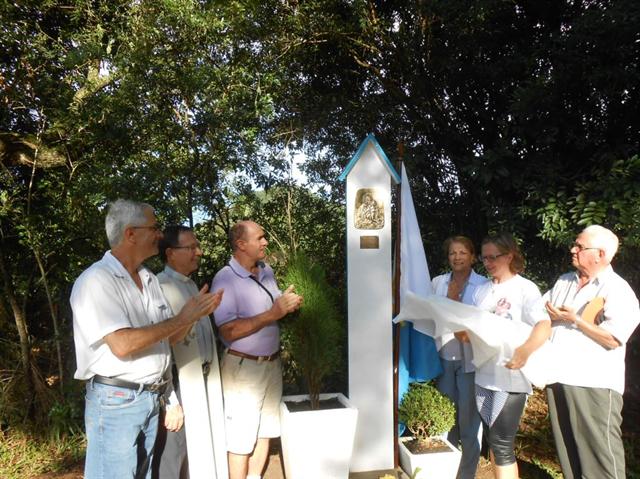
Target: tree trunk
54,317
21,326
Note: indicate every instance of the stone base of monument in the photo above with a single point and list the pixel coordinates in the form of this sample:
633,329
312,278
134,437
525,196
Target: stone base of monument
317,444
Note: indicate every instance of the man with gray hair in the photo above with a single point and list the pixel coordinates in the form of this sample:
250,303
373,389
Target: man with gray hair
122,328
593,312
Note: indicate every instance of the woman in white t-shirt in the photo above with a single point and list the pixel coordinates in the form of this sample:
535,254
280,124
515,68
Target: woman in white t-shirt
501,388
457,379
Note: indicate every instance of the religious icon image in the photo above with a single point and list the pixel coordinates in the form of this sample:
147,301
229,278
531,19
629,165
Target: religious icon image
369,212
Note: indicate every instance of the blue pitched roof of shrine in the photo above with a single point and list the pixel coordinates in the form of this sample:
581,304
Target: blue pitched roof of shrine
385,160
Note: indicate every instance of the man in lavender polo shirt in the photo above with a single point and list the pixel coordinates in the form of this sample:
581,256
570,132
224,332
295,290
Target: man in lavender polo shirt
247,320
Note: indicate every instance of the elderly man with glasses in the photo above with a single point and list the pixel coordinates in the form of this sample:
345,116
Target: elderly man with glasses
122,327
594,312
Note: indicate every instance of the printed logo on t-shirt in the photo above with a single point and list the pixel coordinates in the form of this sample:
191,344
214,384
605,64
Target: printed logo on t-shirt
502,308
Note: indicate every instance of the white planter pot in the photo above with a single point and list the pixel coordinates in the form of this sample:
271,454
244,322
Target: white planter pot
440,465
317,444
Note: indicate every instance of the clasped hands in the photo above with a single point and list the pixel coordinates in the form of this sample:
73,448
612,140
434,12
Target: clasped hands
562,313
202,304
288,302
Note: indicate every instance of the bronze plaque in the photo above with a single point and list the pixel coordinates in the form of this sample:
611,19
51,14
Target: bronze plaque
369,242
369,212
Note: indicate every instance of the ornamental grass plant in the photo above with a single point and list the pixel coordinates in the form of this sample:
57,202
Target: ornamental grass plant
314,333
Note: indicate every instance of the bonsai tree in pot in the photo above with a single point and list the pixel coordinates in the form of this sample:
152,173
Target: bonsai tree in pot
314,333
427,413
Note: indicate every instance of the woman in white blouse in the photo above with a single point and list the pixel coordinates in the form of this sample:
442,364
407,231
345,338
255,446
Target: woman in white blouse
457,379
501,389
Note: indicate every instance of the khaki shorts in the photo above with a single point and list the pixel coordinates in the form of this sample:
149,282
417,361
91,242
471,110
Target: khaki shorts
252,392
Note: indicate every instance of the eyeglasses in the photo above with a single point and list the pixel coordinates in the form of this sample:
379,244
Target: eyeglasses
192,247
491,257
157,227
581,248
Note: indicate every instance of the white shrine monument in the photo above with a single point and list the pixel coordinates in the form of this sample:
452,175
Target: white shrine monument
369,176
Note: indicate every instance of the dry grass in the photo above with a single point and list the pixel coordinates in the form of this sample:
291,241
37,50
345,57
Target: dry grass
23,456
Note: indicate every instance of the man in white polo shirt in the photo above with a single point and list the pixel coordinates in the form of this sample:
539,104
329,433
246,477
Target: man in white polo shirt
585,405
122,328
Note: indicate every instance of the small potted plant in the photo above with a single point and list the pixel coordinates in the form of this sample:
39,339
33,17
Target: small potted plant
317,430
428,414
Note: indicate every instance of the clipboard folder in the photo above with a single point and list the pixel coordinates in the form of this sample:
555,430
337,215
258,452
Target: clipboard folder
593,311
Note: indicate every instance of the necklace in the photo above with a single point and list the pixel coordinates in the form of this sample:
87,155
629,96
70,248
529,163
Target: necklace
456,290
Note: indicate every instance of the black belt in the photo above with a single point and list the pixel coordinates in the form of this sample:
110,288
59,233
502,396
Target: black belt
240,354
157,387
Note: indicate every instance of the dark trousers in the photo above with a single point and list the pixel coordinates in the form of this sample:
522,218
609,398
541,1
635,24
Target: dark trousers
586,428
170,450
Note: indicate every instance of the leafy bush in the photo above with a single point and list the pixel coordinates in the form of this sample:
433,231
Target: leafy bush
315,333
426,411
65,418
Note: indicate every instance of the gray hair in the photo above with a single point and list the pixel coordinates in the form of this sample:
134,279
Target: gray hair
604,239
122,214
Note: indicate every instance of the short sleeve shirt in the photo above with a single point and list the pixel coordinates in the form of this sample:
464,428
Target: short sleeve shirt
105,299
244,298
519,300
584,362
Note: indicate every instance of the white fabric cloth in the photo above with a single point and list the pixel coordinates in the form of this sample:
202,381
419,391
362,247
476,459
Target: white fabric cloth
582,361
448,346
178,288
518,300
493,338
104,299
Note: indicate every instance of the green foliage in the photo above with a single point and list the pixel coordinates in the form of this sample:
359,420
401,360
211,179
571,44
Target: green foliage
315,332
610,197
66,418
500,106
426,411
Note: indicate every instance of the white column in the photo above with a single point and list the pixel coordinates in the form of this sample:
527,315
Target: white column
369,280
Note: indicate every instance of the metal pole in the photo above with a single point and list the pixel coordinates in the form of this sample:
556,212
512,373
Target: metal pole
396,306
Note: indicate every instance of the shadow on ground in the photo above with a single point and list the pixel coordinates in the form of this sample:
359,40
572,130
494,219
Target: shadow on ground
533,471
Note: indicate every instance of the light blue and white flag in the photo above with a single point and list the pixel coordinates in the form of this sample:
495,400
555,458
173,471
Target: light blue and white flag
418,358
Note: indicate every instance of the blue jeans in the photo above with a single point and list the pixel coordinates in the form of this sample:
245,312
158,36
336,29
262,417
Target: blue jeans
460,387
121,427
